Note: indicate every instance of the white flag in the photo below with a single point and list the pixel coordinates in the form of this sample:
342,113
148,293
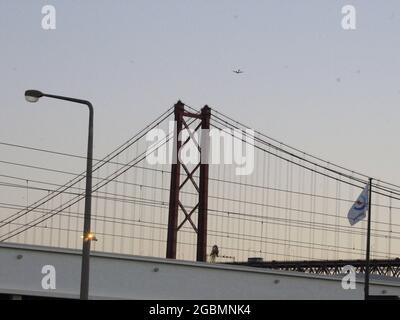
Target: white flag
359,208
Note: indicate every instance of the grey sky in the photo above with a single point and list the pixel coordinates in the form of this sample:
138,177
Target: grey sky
307,82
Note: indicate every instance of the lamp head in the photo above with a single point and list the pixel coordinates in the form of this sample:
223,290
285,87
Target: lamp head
33,95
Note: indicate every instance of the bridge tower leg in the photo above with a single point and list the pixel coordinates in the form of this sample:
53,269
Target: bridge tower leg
174,186
203,193
201,186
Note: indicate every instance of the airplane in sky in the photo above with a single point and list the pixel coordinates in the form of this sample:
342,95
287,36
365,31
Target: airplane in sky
238,71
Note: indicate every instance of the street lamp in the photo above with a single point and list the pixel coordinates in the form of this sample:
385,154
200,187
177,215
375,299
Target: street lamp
88,236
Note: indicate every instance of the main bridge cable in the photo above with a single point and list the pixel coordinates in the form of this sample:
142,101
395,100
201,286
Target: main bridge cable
104,161
96,187
224,122
280,149
128,166
376,185
285,159
312,163
302,152
71,182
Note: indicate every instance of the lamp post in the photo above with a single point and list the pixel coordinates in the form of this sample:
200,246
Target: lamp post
88,236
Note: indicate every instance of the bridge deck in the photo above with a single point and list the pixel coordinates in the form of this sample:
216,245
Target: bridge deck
384,267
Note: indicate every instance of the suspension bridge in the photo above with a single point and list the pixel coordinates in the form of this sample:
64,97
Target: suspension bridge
288,213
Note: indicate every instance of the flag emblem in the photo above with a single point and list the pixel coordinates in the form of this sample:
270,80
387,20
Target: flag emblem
358,211
360,203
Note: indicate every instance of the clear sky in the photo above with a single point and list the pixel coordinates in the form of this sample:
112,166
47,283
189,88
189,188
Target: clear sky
331,92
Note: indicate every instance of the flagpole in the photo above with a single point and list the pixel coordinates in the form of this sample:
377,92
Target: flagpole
366,281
